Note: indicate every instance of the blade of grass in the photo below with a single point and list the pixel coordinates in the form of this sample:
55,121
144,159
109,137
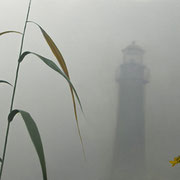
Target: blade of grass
54,49
53,66
6,32
34,135
6,82
59,58
62,63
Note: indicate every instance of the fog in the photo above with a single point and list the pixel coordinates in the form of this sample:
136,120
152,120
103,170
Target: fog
91,35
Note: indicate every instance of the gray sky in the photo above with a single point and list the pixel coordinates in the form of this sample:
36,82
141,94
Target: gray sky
90,35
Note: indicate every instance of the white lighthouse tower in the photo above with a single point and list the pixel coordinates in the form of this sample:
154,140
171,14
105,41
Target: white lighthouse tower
129,162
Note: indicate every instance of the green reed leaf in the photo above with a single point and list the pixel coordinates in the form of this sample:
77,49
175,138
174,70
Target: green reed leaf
0,160
6,32
6,82
34,135
53,66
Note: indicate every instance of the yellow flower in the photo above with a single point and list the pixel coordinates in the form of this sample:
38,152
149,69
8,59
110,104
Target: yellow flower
176,161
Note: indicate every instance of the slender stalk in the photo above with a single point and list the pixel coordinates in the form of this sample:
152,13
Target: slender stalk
14,90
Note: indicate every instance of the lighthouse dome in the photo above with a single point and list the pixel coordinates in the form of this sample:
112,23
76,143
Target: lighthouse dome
133,48
133,54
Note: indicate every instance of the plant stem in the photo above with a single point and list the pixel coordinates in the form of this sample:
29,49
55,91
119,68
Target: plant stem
14,90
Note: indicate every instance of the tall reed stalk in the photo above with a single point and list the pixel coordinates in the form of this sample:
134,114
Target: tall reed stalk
29,122
14,90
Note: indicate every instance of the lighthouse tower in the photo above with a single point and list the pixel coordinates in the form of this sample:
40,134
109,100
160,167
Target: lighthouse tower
129,161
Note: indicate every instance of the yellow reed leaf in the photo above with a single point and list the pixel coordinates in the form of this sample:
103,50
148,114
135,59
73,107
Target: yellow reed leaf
62,63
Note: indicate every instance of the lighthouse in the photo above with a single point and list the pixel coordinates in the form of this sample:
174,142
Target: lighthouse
129,159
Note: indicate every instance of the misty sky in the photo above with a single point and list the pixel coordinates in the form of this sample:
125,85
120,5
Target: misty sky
90,34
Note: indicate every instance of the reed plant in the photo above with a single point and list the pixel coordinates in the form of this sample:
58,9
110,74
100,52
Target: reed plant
30,124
